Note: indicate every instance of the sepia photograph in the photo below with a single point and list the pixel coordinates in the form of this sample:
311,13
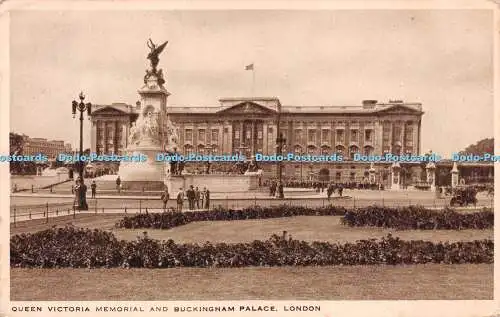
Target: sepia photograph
250,155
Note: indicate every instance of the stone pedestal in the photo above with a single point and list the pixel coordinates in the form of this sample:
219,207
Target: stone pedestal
371,177
215,183
147,134
431,175
395,176
454,176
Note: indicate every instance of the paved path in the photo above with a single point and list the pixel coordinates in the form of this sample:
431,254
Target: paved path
40,213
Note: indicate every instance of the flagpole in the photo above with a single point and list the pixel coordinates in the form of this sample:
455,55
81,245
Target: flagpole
253,81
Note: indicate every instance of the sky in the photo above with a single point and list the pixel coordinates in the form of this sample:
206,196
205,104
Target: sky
440,58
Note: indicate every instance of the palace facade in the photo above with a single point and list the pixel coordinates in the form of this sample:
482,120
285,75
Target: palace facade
250,125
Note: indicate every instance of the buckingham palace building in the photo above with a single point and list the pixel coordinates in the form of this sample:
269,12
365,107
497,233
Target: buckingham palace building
250,125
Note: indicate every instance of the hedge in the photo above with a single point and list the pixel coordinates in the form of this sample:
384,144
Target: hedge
412,217
85,248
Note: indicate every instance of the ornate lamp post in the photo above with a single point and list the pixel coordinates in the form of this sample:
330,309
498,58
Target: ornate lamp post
81,107
280,142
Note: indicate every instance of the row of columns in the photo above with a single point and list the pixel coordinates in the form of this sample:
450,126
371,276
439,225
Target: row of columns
109,129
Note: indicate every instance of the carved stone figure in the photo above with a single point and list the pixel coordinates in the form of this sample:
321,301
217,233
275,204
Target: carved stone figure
155,52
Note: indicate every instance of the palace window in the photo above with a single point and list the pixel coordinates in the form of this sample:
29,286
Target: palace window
409,136
298,136
339,149
201,135
237,134
215,136
338,176
189,135
368,150
297,149
368,135
188,149
340,136
325,136
311,136
201,149
352,176
311,150
259,134
353,150
354,135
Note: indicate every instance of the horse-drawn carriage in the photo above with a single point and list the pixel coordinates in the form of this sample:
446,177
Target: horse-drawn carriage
463,196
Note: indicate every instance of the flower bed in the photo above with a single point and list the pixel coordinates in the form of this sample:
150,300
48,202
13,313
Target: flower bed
418,218
412,217
84,248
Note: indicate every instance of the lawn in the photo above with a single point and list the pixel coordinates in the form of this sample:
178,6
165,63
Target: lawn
430,282
308,228
380,282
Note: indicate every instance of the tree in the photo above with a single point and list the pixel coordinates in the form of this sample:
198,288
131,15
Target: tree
480,148
16,143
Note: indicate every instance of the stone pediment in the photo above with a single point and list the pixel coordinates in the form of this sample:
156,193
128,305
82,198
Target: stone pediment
400,110
247,107
108,111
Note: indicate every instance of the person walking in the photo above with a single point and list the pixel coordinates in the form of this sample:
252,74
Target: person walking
165,196
281,193
329,191
93,188
191,197
202,199
207,198
197,197
118,183
180,199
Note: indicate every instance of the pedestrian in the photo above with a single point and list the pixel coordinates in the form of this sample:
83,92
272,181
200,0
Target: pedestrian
191,197
281,193
273,188
118,183
82,194
207,198
180,199
197,197
329,191
202,199
164,198
93,188
340,189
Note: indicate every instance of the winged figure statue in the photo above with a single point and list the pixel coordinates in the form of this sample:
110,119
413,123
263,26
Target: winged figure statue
155,52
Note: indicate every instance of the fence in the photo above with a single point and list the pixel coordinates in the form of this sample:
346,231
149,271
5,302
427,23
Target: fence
120,206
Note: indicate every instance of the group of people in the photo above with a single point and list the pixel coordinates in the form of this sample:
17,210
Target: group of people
276,189
332,188
197,199
320,186
80,191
